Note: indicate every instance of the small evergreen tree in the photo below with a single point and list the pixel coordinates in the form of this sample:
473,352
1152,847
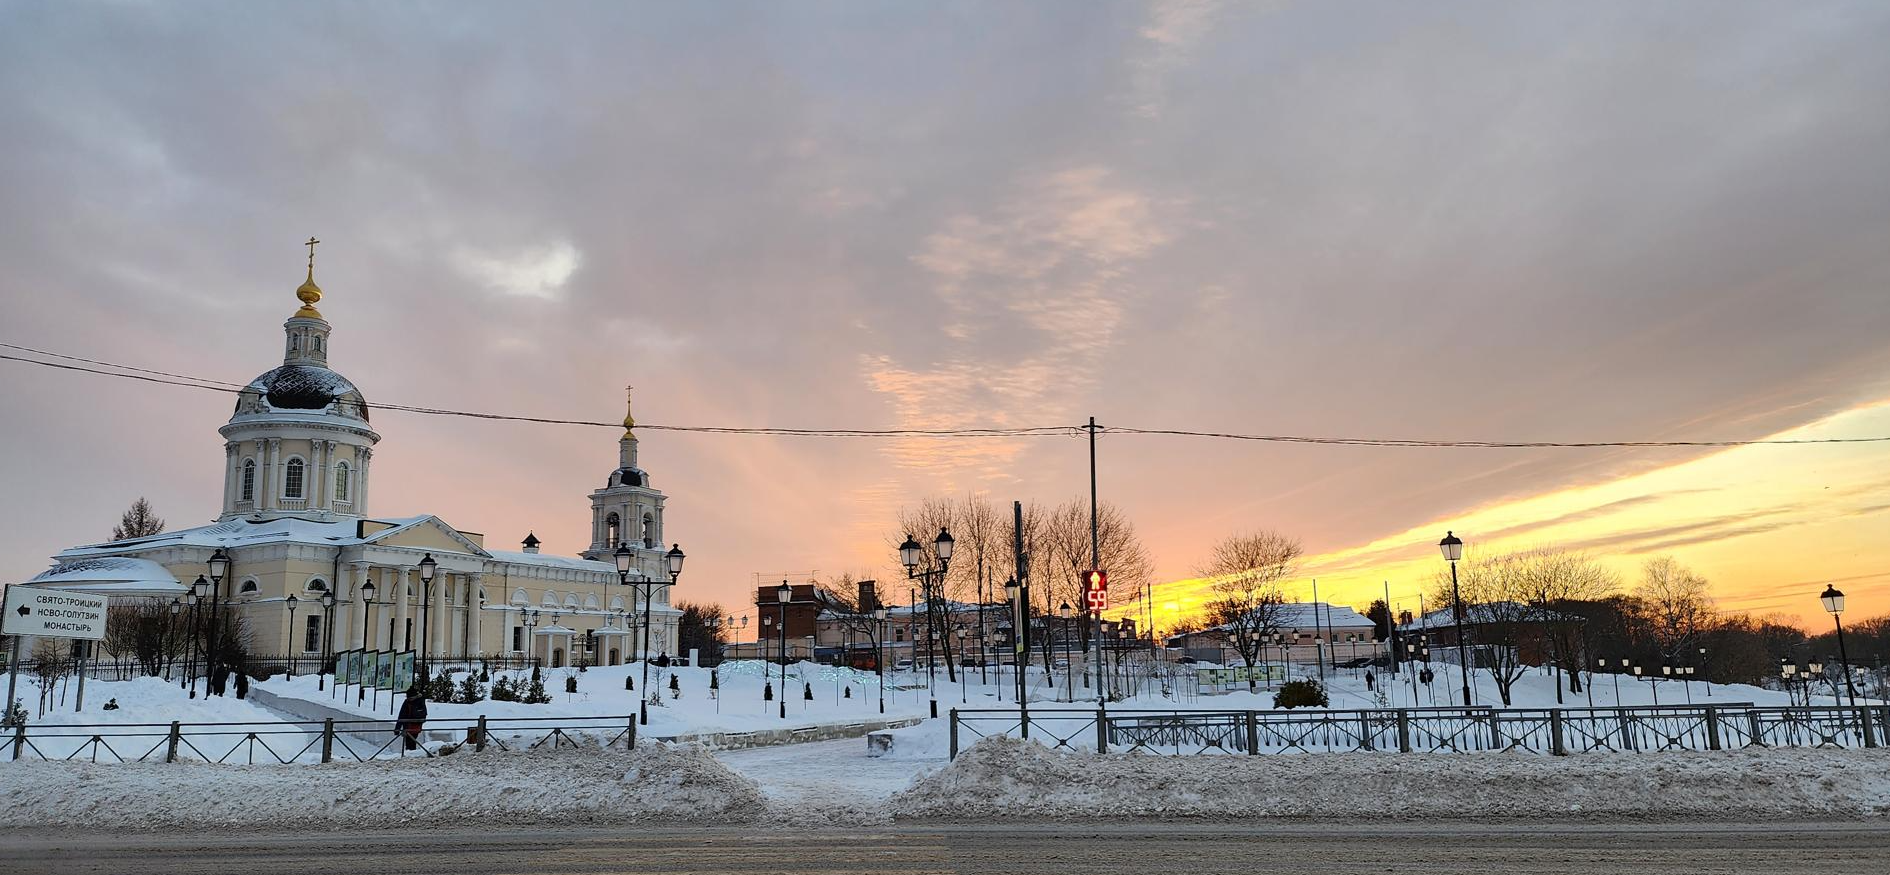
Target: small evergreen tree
469,690
14,716
441,688
138,522
502,690
629,683
535,694
1301,694
570,683
767,691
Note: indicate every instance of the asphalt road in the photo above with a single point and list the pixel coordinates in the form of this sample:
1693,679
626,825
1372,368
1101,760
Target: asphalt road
1141,847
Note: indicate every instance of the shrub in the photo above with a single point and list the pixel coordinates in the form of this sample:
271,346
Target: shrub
1300,694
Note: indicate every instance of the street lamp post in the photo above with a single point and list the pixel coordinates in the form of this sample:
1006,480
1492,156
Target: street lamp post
219,566
289,643
170,637
193,597
1834,605
1452,546
782,594
964,697
930,581
328,639
1705,674
428,568
1069,672
879,653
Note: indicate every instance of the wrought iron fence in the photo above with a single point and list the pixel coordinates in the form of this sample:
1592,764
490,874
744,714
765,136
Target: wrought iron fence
1556,731
265,666
308,741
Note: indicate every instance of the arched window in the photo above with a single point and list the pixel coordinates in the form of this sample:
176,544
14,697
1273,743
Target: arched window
316,585
590,602
614,530
649,530
550,600
292,479
248,588
249,480
341,481
616,604
519,597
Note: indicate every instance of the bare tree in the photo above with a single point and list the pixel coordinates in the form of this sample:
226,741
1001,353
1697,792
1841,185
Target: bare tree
1064,543
841,598
138,522
982,541
1546,580
1245,572
1677,604
144,630
1496,623
922,525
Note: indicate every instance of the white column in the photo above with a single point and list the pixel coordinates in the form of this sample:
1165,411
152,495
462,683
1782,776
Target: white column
339,632
361,457
440,622
402,584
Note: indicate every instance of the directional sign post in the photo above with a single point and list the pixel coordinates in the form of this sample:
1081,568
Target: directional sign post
54,613
49,613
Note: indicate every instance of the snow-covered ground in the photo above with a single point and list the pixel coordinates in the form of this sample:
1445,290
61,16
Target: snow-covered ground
146,707
537,788
737,705
1008,778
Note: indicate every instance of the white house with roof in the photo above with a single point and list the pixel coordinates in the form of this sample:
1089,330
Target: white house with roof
296,524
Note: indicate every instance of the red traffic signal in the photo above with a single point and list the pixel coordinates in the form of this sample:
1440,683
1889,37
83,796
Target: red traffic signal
1097,591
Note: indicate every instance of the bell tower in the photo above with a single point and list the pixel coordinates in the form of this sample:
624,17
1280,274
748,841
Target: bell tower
627,510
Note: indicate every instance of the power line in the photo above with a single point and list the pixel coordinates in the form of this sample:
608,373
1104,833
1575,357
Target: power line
129,372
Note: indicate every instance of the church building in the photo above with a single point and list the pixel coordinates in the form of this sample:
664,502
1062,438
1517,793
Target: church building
297,523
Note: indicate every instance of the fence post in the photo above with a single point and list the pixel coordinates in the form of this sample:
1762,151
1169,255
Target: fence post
1404,730
1102,731
954,735
1556,745
170,746
1752,718
19,734
633,728
479,736
1365,730
1496,731
328,740
1253,732
1712,728
1870,735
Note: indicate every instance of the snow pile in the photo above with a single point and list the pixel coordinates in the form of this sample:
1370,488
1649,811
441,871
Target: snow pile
1010,778
550,787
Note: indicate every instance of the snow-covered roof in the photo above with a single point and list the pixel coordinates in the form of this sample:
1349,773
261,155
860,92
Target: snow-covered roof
519,557
1306,616
111,575
1495,612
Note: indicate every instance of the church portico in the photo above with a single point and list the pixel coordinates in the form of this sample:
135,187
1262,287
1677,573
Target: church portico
294,526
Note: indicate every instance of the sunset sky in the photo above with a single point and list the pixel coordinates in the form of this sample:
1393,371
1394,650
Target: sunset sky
1489,221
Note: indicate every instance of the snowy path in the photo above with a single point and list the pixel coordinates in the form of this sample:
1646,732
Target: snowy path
826,776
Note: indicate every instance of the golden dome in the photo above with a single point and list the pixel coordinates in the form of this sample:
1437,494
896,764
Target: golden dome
629,420
308,292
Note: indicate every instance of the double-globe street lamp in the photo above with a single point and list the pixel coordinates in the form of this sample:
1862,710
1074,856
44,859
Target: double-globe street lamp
1834,605
1452,546
647,587
931,580
328,639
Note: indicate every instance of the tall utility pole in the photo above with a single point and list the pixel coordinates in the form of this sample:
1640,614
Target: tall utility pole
1095,564
1020,610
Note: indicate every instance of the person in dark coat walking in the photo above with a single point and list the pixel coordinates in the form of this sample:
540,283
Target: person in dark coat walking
242,685
413,713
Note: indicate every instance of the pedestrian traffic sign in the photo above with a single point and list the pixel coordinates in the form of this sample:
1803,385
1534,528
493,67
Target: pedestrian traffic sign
1098,591
54,613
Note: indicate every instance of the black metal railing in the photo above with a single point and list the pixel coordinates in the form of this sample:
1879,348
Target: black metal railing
305,741
1556,731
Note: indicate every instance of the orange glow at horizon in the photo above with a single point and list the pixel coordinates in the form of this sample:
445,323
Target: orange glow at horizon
1768,525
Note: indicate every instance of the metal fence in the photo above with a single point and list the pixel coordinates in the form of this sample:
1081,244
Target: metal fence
309,741
1557,731
303,664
